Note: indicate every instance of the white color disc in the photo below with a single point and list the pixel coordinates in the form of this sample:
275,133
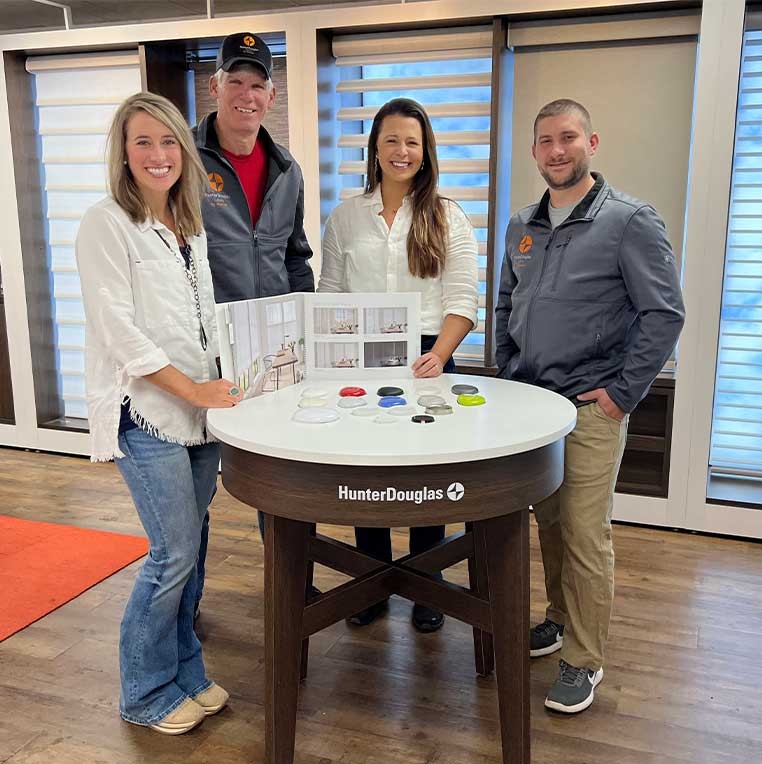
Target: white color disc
315,415
385,419
311,403
402,411
351,403
314,392
365,412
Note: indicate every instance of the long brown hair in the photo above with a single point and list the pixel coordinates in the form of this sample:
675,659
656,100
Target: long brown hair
187,193
427,239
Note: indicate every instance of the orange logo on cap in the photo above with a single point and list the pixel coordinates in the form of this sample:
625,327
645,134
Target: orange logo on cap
525,244
249,41
215,181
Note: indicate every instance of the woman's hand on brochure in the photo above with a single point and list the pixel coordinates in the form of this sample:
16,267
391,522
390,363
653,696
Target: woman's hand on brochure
217,394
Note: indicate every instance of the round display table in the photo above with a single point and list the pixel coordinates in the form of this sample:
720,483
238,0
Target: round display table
481,465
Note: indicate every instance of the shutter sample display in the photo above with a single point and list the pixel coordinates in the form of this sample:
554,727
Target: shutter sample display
450,74
76,97
736,444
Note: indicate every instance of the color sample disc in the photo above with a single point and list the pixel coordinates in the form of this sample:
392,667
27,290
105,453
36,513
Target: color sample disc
386,391
431,400
351,392
365,411
428,390
391,400
439,410
315,415
385,419
309,403
351,403
471,400
464,390
314,392
402,411
422,419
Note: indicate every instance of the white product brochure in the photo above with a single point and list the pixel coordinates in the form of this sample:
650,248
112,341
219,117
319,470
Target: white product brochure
275,342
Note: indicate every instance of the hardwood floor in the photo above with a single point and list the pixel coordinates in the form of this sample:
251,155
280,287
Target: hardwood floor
683,674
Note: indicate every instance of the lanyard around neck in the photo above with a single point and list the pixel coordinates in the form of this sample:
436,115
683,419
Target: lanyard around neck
192,276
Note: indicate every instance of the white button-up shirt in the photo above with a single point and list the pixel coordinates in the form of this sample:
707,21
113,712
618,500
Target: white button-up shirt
141,316
362,254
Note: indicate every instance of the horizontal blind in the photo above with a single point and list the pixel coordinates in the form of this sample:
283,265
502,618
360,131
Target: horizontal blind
736,444
76,97
450,73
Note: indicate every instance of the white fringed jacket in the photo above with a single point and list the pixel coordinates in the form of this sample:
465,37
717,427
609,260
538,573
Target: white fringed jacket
141,316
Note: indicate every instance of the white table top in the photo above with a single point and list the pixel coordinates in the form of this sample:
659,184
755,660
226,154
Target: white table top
515,418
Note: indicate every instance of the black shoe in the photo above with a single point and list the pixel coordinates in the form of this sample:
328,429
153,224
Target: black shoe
426,619
367,616
545,638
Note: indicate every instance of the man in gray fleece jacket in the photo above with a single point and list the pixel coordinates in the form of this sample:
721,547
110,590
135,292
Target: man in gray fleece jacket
589,307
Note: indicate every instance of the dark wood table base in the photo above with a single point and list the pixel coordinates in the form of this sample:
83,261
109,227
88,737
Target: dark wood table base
496,605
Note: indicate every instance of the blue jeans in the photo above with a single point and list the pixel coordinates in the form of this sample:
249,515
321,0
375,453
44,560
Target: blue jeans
201,566
160,657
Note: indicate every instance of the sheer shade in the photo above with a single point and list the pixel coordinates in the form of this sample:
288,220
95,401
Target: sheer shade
76,97
450,73
736,444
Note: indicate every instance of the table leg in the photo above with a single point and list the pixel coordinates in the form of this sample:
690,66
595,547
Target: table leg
507,543
479,582
303,663
286,557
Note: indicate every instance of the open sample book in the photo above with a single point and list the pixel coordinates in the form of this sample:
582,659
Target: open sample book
273,342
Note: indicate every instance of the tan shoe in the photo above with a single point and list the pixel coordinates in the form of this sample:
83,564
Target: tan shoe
185,717
212,699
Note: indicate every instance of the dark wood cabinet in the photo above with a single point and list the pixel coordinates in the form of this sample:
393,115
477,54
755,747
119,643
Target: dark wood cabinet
645,465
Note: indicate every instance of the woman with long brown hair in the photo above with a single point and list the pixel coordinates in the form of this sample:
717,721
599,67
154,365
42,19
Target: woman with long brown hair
402,236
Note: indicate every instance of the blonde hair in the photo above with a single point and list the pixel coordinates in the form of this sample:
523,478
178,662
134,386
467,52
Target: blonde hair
187,193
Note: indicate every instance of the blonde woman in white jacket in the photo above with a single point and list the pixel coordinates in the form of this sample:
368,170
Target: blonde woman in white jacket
151,376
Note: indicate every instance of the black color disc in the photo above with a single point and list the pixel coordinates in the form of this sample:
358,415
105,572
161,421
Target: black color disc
385,391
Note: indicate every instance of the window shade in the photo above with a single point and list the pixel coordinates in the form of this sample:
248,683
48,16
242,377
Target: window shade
450,73
76,97
736,444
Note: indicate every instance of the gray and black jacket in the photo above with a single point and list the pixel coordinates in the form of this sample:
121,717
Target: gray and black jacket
594,303
248,262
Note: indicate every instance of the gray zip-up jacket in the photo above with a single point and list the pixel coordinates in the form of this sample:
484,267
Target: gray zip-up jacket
594,303
249,262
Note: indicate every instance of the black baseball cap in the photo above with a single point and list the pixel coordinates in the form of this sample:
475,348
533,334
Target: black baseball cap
245,48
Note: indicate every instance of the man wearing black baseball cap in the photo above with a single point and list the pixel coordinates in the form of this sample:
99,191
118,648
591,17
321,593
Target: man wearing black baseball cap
254,205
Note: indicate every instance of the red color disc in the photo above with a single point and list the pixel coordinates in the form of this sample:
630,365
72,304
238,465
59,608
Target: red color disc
354,392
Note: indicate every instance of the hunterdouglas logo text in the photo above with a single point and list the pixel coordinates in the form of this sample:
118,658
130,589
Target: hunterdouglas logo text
454,492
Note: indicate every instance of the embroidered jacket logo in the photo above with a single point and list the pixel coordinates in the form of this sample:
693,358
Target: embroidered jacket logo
215,181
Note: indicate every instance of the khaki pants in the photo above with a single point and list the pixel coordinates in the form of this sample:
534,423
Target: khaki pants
575,536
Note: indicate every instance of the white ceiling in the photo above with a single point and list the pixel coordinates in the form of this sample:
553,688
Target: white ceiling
22,15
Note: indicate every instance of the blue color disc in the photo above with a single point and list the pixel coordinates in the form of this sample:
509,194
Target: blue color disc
391,400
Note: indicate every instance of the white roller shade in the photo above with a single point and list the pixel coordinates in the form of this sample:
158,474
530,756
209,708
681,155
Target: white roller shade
450,73
76,97
736,444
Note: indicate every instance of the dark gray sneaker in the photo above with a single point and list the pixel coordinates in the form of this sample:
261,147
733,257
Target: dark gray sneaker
574,690
545,638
